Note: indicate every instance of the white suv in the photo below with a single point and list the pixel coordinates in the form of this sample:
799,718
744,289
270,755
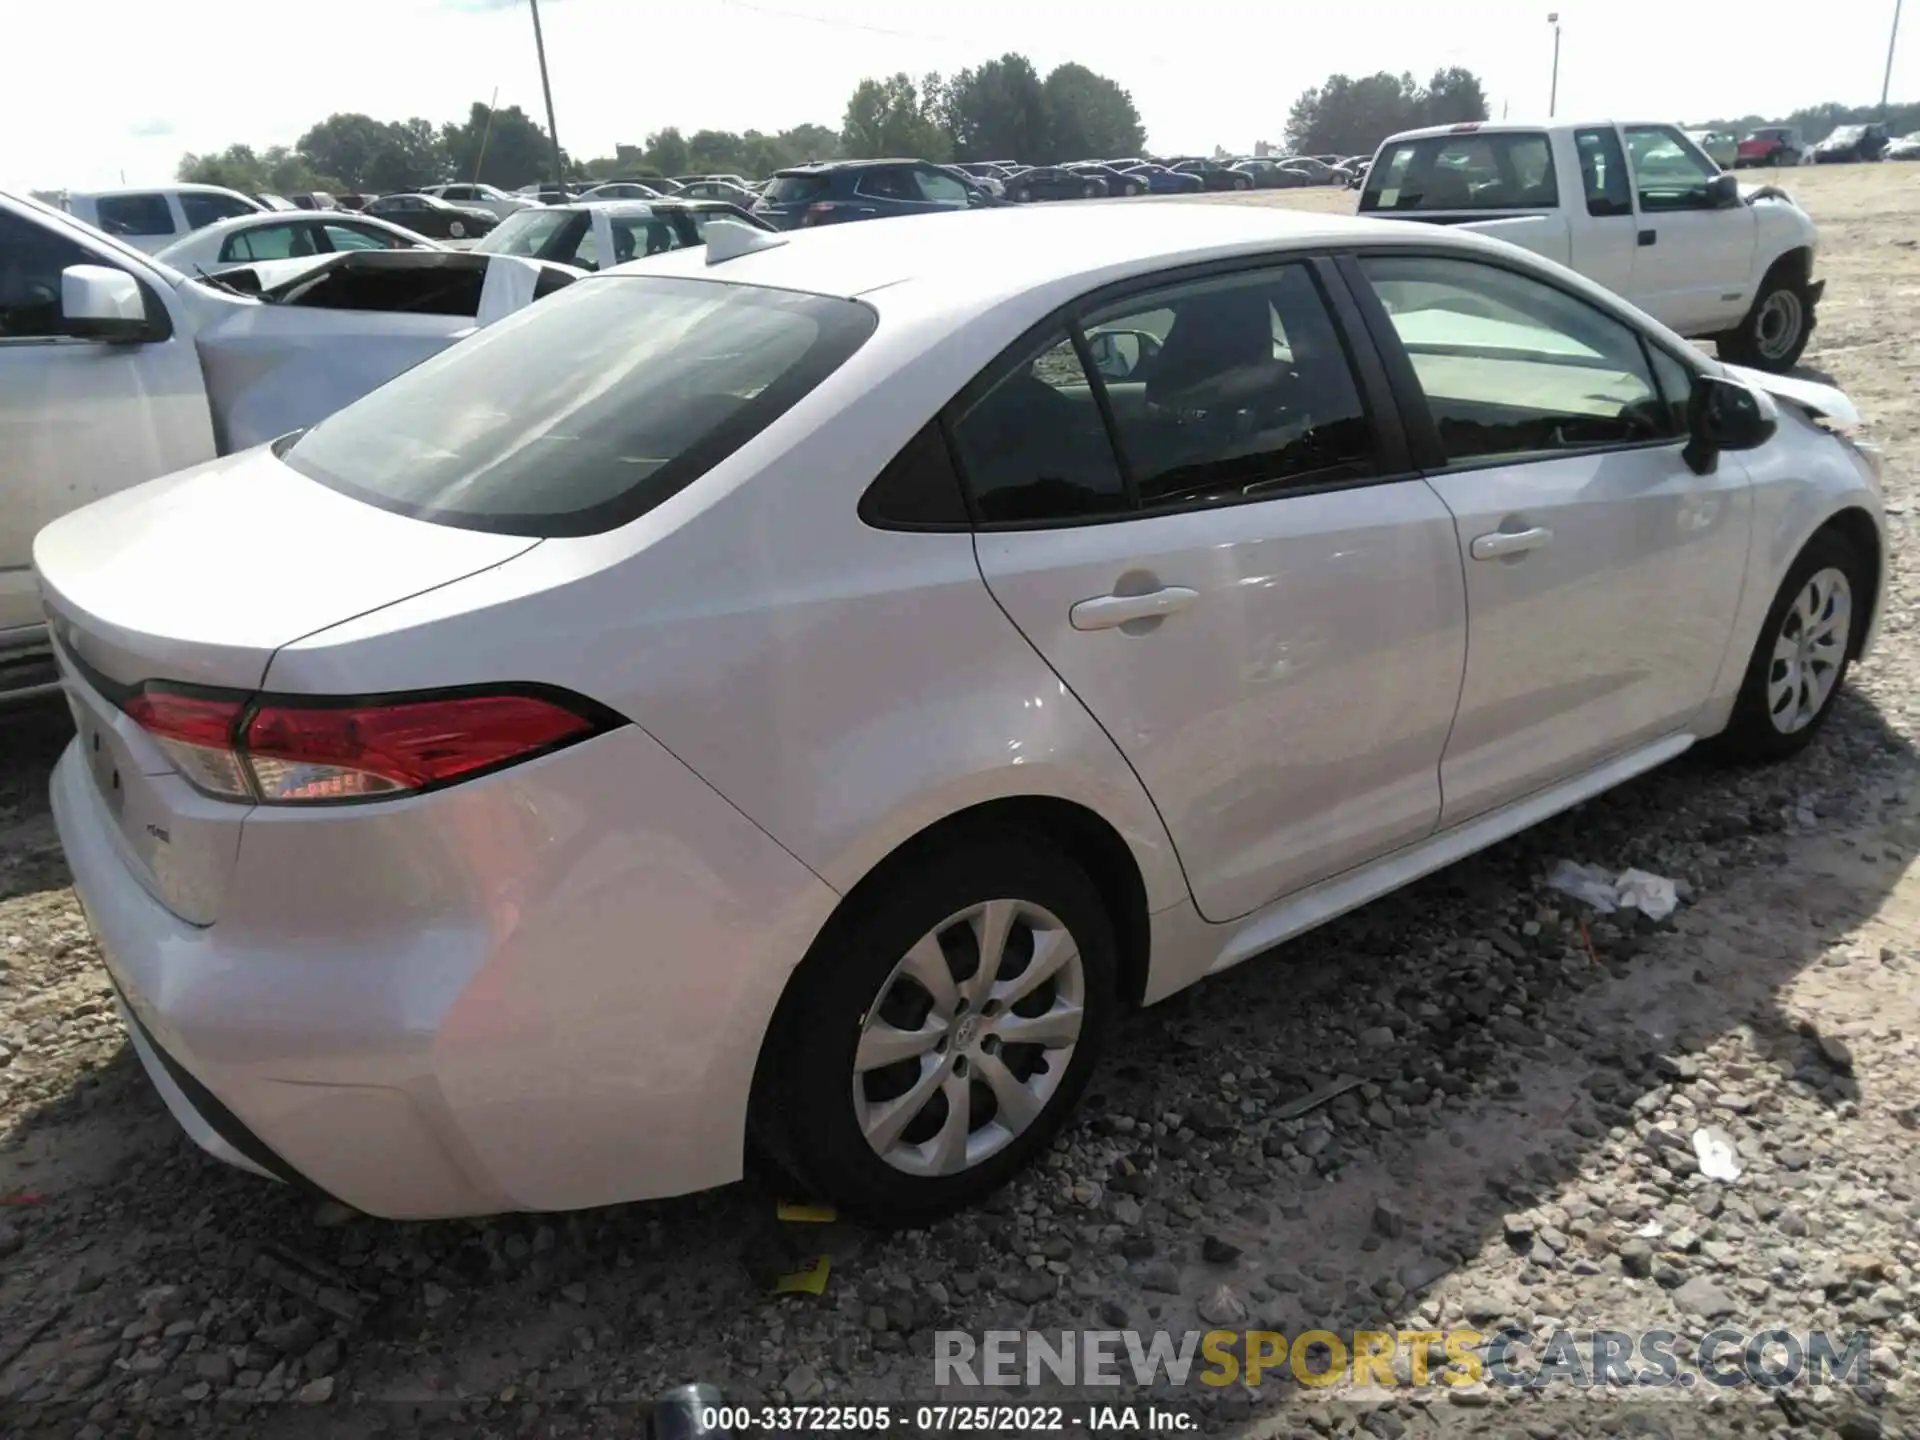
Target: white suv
153,217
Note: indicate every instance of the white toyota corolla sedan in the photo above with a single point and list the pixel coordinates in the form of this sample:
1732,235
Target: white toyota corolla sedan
784,698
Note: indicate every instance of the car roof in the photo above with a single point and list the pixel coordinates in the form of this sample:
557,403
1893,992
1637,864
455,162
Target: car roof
1511,127
172,187
822,166
973,258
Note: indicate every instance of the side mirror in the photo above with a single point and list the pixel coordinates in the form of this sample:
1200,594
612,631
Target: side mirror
101,303
1723,191
1723,414
1116,353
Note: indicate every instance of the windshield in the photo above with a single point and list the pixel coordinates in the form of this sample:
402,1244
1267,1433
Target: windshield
1502,171
1847,134
525,232
796,189
582,412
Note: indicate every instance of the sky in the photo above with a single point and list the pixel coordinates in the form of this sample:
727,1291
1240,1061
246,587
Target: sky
145,87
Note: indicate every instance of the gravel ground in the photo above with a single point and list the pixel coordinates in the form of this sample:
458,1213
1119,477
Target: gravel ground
1520,1149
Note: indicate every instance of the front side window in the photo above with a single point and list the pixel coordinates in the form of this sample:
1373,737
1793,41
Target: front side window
1669,172
1035,448
1513,367
941,189
203,209
134,214
1603,172
1474,170
586,410
31,259
1230,387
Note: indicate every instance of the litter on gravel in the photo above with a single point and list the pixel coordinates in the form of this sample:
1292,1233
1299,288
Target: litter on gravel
1713,1148
1654,896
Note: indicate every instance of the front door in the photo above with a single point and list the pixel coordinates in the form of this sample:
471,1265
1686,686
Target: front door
1602,573
1212,549
1693,263
78,418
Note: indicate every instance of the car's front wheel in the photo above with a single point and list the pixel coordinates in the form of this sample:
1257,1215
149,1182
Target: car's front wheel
941,1030
1242,183
457,229
1776,329
1802,655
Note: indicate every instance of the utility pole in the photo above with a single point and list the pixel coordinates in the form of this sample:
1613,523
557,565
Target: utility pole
1887,82
553,131
1553,95
486,134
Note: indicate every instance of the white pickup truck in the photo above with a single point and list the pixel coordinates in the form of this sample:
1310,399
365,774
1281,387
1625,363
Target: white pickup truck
1638,208
116,368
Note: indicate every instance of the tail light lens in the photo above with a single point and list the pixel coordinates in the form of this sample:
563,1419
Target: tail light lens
286,750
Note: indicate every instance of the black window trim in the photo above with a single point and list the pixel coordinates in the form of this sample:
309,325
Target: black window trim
1423,436
1395,461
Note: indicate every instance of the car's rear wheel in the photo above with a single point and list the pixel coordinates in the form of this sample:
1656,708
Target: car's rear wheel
1776,329
1242,183
1801,658
940,1033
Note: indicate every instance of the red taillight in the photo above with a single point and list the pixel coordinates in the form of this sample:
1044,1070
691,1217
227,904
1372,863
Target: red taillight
196,731
288,751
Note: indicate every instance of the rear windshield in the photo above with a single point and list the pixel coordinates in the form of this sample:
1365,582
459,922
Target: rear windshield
584,411
1471,171
796,189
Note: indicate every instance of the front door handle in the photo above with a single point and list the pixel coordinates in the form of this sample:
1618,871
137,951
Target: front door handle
1510,542
1647,237
1106,612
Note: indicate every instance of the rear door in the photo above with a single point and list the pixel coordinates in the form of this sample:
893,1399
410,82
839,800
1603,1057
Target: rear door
1693,266
1231,566
1602,573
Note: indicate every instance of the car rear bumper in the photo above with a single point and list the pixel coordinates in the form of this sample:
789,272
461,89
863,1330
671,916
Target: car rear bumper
543,990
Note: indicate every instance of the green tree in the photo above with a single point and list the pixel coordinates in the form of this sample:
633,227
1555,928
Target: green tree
1089,117
512,151
1346,116
997,111
667,151
235,167
888,118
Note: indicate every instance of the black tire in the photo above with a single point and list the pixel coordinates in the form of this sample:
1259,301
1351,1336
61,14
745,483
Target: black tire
1751,736
1750,345
804,1111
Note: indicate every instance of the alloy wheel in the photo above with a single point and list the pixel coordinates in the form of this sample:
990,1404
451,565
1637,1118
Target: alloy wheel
1809,651
969,1038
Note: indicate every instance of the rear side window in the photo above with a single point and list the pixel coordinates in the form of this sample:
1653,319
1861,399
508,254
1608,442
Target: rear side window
797,189
1468,171
584,411
1035,447
134,214
1603,172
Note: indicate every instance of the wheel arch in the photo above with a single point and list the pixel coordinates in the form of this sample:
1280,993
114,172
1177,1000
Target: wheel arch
1079,832
1854,525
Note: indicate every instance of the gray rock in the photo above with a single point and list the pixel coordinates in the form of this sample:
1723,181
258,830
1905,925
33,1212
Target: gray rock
1126,1211
1161,1277
1220,1306
10,1241
1377,1037
1388,1220
802,1383
1700,1296
1636,1258
1836,1053
1216,1251
315,1392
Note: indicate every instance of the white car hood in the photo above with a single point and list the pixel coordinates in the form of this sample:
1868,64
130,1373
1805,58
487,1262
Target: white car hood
1827,401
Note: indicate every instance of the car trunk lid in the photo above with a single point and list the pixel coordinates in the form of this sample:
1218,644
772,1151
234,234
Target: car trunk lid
195,581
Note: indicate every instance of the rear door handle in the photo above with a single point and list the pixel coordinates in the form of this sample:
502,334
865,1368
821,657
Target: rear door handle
1510,542
1106,612
1647,237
